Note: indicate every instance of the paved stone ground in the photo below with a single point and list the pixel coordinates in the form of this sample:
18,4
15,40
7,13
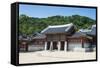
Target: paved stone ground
54,56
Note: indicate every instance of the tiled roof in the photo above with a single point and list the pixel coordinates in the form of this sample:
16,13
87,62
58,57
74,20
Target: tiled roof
78,34
58,29
40,36
93,31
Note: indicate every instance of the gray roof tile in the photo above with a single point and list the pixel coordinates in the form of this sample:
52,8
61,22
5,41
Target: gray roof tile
58,29
93,31
78,34
40,36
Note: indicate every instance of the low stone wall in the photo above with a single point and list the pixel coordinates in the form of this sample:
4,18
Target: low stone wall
84,49
35,48
79,49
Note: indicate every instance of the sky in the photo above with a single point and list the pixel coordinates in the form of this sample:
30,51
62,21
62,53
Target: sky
46,11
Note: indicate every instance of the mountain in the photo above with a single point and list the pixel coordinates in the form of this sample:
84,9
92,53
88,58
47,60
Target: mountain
31,25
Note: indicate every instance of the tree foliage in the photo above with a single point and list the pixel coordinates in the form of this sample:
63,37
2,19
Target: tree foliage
31,25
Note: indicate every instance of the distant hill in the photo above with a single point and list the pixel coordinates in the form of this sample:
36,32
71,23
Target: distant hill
31,25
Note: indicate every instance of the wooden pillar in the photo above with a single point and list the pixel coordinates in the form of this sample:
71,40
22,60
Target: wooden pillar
51,46
59,45
26,47
65,46
25,44
45,48
82,42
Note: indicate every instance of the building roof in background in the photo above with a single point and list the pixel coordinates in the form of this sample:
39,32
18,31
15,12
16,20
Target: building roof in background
78,34
58,29
40,36
84,30
93,31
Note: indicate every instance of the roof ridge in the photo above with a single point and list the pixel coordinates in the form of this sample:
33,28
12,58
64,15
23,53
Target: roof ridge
57,26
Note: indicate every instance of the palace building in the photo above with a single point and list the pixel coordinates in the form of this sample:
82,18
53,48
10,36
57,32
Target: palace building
64,38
